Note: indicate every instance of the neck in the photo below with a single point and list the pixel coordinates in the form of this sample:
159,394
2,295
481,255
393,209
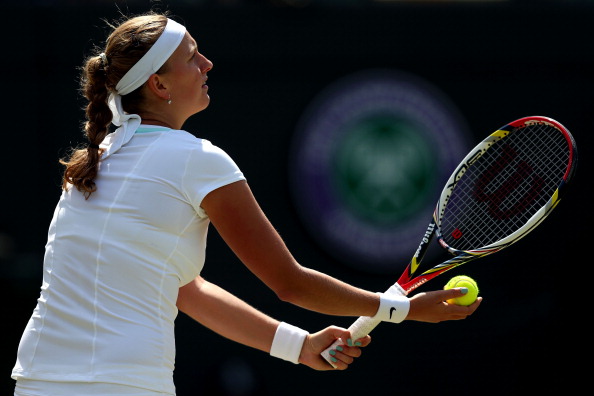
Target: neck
161,116
149,121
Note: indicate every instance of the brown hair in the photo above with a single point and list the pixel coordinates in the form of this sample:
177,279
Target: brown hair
126,44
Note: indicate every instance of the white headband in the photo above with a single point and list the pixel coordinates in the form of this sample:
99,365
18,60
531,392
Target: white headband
152,61
138,74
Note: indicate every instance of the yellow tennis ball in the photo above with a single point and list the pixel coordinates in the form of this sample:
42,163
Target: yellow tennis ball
463,281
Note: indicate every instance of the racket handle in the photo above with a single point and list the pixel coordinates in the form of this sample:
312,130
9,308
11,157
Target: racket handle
361,327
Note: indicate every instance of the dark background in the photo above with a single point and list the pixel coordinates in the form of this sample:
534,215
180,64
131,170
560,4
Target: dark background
497,61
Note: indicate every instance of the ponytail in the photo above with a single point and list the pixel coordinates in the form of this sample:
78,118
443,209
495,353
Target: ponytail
83,164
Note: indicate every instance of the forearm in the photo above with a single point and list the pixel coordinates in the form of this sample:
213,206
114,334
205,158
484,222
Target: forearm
322,293
227,315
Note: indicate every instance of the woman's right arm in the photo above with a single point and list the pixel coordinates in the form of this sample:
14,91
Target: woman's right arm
235,213
239,220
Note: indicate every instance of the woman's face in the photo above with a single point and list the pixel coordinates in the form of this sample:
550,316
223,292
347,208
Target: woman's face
186,74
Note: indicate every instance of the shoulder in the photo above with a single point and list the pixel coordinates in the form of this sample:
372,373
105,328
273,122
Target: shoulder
181,143
198,151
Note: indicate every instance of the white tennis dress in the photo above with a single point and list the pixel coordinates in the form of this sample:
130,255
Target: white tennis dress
114,264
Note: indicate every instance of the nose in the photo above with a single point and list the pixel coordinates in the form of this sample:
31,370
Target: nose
206,64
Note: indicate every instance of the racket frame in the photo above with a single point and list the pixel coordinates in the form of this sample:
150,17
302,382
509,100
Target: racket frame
406,283
464,256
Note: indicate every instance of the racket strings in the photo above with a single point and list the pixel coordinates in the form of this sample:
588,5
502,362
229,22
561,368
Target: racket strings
498,194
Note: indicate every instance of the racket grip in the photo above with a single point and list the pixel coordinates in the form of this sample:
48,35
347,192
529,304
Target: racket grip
362,326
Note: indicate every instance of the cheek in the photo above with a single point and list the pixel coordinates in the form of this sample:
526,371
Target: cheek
192,78
186,86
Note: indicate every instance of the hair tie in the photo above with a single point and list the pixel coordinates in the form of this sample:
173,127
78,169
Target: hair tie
103,58
93,145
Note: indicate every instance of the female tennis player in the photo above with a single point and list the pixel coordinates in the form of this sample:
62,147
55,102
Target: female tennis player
126,244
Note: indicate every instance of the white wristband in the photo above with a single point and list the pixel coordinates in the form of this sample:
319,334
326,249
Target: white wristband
394,305
287,343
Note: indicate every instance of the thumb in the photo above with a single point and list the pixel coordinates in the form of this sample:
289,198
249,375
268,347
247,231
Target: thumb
443,295
349,339
340,333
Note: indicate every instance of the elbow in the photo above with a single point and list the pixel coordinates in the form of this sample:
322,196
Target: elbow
288,294
293,290
189,294
293,285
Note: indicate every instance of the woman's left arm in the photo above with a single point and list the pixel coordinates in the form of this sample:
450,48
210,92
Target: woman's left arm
226,314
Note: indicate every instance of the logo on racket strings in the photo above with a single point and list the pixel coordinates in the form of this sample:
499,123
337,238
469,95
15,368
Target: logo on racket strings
507,183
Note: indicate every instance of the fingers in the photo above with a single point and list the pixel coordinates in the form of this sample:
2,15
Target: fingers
347,351
344,334
442,295
363,341
343,355
432,307
468,310
457,312
475,304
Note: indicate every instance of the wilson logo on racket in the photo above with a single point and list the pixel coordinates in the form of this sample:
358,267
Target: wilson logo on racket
506,187
456,234
426,238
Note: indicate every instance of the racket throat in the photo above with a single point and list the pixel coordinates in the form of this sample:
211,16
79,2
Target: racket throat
414,263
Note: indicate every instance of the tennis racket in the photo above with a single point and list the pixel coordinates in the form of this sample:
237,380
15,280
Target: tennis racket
505,187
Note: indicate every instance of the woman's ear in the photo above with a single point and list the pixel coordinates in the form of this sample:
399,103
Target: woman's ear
158,86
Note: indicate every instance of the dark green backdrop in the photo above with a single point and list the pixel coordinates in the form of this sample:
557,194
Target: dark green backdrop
497,62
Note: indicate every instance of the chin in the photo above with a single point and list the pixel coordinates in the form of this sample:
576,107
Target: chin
201,107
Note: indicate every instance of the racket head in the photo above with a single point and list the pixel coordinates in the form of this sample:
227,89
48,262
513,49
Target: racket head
506,186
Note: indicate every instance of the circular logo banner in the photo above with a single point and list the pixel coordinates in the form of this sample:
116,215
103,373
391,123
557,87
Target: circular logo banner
368,161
